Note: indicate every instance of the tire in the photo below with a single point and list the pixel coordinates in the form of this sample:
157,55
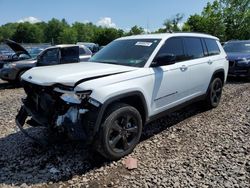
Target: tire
120,131
19,76
214,93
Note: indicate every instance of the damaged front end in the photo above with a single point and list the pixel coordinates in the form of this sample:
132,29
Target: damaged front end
60,109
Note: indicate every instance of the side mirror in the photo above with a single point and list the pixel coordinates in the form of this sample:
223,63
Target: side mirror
164,59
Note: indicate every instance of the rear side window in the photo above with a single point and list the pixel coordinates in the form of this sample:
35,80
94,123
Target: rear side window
212,47
82,51
173,46
193,47
70,54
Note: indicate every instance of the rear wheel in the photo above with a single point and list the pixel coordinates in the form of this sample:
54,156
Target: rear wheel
214,93
121,131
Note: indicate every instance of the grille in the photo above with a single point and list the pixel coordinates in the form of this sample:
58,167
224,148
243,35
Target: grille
39,97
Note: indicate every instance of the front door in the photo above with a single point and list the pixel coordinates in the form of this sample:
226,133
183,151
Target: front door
171,84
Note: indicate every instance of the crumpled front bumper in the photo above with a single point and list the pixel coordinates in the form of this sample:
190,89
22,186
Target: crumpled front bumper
76,129
20,121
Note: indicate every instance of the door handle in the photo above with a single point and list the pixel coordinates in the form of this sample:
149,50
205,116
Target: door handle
210,62
183,68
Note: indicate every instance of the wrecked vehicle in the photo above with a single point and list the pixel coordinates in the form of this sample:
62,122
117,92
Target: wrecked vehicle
105,102
60,54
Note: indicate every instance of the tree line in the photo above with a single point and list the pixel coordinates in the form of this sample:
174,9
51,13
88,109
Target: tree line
226,19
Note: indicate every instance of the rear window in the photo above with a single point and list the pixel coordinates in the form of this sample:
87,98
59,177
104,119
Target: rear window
212,47
193,47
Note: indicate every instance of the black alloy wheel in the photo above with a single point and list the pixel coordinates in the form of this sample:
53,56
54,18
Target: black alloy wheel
214,93
121,131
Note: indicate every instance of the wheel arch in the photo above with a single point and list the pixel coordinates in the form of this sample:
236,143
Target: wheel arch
219,73
135,99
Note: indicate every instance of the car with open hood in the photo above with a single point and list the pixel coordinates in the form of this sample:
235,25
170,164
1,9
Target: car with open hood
106,101
27,59
238,53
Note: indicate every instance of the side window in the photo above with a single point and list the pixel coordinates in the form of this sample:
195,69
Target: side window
50,57
212,47
70,54
204,47
82,51
173,46
193,48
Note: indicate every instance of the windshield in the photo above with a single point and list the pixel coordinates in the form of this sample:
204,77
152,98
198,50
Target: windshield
34,52
130,52
243,47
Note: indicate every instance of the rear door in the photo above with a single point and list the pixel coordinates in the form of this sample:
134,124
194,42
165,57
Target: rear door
198,65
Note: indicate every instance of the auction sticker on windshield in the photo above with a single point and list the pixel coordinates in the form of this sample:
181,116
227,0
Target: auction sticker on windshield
143,44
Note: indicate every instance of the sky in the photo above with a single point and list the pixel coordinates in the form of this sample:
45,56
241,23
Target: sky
124,14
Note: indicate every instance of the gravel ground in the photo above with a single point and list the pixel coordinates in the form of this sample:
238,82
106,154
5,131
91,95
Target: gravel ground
190,148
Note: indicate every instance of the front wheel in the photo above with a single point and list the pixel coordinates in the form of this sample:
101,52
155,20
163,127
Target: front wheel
121,131
214,93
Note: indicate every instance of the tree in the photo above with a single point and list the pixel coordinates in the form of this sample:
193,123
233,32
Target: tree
172,24
7,31
68,36
135,31
27,32
85,32
226,19
54,29
237,18
106,35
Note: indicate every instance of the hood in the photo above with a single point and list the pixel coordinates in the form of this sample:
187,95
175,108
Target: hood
72,74
233,56
26,62
17,48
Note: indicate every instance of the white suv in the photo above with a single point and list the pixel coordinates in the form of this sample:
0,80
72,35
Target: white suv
106,101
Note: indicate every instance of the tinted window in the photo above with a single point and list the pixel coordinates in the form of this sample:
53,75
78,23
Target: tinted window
173,46
193,48
70,55
204,46
82,51
50,57
212,47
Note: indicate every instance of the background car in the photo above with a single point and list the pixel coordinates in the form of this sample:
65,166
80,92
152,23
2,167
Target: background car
238,53
55,55
92,46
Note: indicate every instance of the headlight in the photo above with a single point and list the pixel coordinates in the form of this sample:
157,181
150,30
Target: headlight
9,65
83,94
71,98
75,97
244,61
